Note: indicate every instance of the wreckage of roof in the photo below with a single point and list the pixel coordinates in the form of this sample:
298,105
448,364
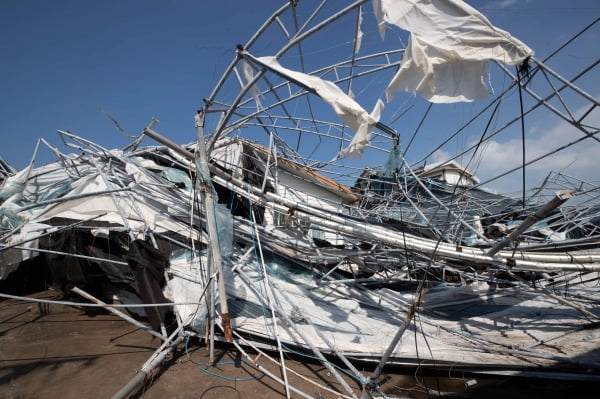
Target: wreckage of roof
134,185
312,176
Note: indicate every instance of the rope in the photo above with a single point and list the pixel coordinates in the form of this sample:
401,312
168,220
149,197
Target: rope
204,367
519,72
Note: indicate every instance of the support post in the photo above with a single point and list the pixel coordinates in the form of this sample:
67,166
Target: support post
204,178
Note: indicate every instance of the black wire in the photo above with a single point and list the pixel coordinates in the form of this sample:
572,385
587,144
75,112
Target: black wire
462,174
571,39
519,72
417,129
444,230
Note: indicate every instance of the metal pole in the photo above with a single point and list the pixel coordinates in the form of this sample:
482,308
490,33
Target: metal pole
118,313
241,339
165,141
153,362
204,178
271,303
372,385
538,261
211,223
560,197
268,373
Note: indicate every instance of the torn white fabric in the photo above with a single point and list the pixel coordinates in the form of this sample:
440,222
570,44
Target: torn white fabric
362,138
378,11
359,32
249,76
138,174
353,115
449,47
438,79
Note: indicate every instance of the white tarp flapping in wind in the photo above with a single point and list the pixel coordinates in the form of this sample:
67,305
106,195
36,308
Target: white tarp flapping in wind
353,115
448,50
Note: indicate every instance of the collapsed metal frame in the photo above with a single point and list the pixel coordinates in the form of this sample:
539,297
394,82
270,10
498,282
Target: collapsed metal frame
331,282
254,119
427,256
348,70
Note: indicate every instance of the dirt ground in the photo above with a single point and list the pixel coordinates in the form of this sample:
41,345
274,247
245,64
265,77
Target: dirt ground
53,351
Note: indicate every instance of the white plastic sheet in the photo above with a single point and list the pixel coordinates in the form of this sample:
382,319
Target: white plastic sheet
448,50
249,76
359,32
353,115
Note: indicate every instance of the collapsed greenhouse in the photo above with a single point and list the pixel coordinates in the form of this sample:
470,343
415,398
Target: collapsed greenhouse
267,231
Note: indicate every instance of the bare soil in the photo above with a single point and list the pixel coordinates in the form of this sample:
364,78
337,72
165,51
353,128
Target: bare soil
54,351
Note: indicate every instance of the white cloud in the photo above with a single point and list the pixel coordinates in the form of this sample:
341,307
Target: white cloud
440,156
580,160
506,3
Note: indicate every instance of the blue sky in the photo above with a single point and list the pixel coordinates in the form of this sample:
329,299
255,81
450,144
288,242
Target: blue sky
62,62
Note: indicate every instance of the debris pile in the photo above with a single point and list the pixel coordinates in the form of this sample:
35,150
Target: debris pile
265,243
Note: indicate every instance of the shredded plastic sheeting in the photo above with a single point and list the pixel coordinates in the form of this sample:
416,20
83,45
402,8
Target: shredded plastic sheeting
448,50
361,122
